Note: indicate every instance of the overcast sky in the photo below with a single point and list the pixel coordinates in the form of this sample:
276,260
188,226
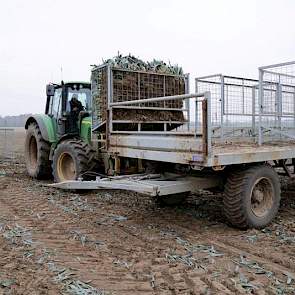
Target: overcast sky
38,37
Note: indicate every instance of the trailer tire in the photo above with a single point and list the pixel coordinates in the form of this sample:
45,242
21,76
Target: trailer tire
173,199
37,153
71,159
252,197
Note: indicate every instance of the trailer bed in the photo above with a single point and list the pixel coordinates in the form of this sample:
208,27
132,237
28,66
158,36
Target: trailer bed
239,153
184,149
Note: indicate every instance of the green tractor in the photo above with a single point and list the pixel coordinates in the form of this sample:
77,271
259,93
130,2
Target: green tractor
58,142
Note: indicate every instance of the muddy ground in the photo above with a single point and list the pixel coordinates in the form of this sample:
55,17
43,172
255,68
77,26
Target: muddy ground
55,242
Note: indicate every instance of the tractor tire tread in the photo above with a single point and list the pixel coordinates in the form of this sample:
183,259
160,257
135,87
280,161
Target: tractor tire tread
84,155
43,169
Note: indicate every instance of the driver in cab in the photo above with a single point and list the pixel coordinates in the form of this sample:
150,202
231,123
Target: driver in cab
76,107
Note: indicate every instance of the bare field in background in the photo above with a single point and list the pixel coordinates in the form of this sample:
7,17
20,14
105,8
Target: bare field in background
12,142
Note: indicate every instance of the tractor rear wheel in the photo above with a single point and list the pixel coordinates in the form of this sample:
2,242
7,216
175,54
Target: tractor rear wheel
37,153
71,159
252,197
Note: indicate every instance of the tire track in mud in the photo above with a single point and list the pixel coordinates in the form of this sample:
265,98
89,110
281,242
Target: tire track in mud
131,256
24,276
272,261
227,236
68,250
149,254
50,230
277,261
179,277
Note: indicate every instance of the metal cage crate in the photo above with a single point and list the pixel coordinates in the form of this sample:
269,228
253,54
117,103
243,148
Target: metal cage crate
118,85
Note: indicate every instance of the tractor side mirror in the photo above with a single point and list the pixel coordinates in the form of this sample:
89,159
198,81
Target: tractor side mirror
50,90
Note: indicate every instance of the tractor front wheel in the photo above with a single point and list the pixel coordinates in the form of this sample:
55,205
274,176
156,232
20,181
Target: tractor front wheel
71,159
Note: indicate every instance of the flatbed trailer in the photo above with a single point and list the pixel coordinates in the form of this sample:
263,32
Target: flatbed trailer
237,132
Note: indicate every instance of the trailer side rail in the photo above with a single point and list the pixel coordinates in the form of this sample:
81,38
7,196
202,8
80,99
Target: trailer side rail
191,129
252,111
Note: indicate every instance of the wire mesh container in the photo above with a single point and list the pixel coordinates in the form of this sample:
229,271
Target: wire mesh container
233,107
117,85
248,110
277,100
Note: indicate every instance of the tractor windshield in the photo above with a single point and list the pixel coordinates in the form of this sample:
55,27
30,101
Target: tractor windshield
83,95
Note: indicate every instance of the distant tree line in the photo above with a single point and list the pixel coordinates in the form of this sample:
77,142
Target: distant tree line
14,121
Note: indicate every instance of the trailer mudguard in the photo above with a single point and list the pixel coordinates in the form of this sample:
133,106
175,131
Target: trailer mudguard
46,125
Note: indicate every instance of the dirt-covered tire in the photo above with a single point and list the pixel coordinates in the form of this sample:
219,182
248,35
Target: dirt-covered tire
71,159
252,197
37,153
173,199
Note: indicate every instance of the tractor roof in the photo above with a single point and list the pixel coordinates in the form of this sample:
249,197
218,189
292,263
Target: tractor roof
72,83
76,82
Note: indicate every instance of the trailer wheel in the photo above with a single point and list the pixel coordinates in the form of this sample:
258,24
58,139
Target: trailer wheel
252,197
173,199
37,153
71,159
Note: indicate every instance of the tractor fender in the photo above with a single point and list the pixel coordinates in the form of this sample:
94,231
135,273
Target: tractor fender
46,126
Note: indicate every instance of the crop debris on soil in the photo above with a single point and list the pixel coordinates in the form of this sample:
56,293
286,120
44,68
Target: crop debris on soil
113,242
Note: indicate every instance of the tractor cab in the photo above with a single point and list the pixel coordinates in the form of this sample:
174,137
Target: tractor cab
68,104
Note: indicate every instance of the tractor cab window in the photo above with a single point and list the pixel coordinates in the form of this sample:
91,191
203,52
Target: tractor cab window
55,103
82,95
